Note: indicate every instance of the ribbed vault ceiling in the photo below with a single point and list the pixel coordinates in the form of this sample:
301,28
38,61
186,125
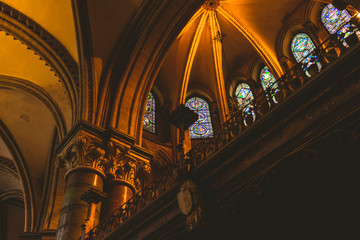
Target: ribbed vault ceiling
223,40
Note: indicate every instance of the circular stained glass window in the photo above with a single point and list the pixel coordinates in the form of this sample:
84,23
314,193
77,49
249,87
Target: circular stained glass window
300,44
332,15
200,130
196,104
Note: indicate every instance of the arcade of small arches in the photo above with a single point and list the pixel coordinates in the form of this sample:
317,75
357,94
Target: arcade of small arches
337,23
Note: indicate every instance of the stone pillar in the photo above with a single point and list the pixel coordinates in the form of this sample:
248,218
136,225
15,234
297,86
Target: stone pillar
124,166
93,155
118,193
82,154
75,211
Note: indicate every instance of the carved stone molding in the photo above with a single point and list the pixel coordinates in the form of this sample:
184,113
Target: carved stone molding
112,153
82,152
120,164
42,43
8,166
57,46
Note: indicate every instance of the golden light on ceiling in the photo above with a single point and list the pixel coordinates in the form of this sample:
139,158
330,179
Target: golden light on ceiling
208,13
217,38
192,53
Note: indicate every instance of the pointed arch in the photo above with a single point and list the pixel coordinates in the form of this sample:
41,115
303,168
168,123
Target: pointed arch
21,167
50,50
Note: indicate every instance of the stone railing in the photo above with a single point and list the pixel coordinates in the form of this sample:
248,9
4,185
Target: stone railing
238,121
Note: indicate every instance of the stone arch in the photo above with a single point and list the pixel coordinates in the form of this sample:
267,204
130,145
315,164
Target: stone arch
288,31
23,175
40,94
49,49
161,22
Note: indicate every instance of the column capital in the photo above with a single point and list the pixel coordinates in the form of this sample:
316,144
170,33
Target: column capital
126,164
109,151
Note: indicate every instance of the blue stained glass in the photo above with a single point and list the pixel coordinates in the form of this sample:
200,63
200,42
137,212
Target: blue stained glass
149,117
302,47
202,128
333,18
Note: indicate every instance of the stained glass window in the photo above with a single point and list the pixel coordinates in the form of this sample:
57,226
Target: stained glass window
347,30
202,128
244,96
336,21
333,18
149,117
302,47
268,82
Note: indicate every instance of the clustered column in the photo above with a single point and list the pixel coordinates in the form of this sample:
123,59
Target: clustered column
102,166
123,168
83,160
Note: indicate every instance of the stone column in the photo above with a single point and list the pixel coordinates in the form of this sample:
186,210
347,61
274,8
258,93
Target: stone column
82,154
123,169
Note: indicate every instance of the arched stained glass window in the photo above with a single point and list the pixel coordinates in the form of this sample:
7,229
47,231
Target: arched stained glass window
302,47
345,31
268,82
149,117
244,96
333,18
202,128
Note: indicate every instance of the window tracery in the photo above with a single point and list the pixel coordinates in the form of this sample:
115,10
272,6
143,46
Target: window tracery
202,128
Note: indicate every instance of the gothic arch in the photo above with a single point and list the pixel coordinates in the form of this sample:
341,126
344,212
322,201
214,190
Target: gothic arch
49,49
285,37
154,39
23,174
40,94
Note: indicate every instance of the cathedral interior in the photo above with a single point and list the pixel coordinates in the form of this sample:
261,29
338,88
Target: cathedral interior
187,119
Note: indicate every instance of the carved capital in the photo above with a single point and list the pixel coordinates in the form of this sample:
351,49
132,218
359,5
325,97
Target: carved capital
83,151
121,164
111,152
